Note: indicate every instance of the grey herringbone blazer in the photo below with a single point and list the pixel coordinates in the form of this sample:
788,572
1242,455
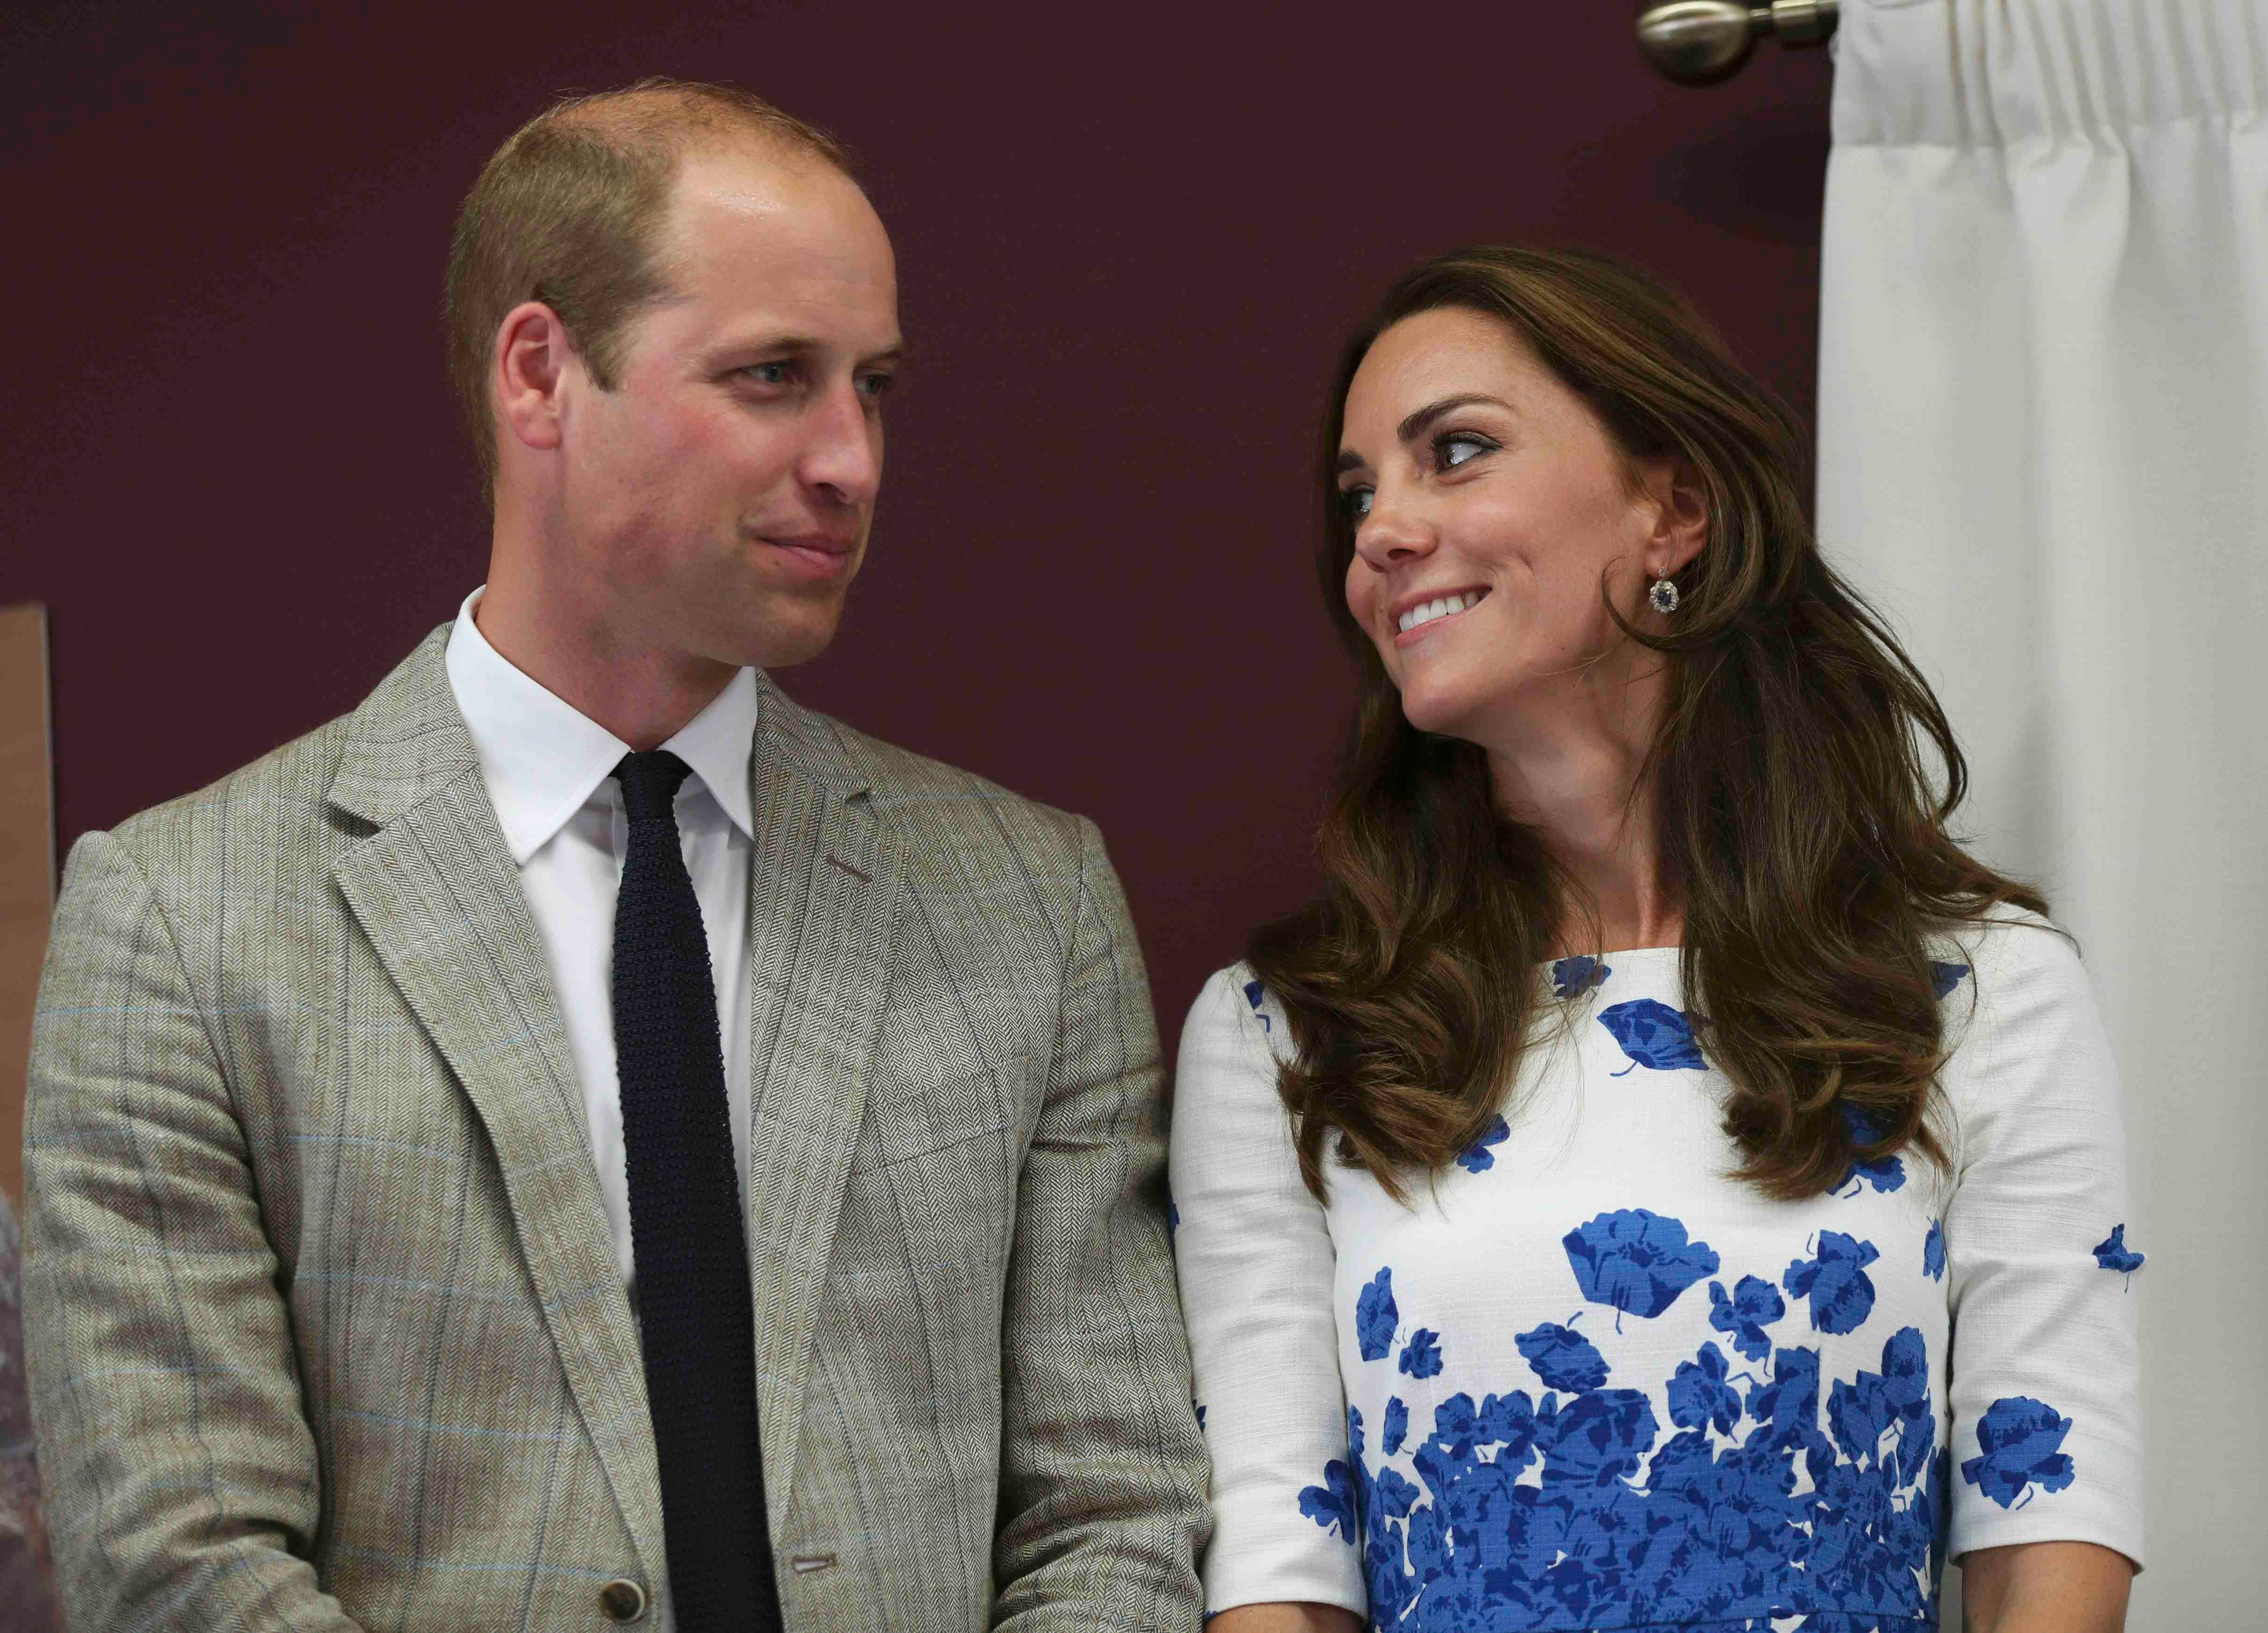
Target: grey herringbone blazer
324,1323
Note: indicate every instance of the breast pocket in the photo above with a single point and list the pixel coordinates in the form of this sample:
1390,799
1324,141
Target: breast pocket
919,1105
949,1068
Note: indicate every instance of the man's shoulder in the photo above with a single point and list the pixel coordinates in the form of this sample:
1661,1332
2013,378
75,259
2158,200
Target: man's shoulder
924,798
280,811
283,791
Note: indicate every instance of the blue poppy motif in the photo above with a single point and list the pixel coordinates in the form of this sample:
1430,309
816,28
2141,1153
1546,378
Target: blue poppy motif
1869,1407
1563,1357
1254,992
1476,1158
1621,1528
1756,1304
1571,977
1397,1425
1946,977
1933,1252
1334,1505
2017,1442
2112,1253
1421,1356
1698,1393
1886,1173
1375,1317
1636,1261
1198,1407
1835,1281
1653,1034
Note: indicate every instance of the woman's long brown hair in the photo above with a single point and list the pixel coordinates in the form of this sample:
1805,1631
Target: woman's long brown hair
1804,777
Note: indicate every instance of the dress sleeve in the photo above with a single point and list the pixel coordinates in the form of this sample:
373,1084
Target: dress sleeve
1255,1255
2046,1373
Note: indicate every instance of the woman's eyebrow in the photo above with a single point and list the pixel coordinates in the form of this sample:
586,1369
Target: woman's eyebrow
1414,426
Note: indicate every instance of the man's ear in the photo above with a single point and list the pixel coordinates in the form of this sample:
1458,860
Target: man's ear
533,351
1681,515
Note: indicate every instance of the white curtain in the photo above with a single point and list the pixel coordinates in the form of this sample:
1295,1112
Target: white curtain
2043,450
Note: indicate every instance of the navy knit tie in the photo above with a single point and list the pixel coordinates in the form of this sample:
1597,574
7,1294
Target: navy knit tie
686,1242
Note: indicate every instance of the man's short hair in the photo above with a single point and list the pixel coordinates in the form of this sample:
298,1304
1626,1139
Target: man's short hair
569,212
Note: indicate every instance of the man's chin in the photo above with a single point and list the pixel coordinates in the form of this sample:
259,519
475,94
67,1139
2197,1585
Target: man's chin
775,641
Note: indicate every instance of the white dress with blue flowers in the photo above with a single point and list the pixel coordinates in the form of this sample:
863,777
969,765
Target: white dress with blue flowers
1586,1382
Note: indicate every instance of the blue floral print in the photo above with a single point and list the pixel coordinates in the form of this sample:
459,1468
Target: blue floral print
2017,1440
1836,1282
1933,1252
1571,977
1698,1393
1636,1261
1396,1428
1653,1034
1884,1173
1421,1356
1946,977
1375,1318
1563,1357
1335,1505
1476,1157
1172,1222
1756,1304
2112,1253
1253,994
1621,1528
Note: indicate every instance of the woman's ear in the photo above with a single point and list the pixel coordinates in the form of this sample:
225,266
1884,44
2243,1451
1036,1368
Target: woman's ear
1680,503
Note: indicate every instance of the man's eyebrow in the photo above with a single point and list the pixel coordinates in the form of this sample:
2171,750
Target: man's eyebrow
804,345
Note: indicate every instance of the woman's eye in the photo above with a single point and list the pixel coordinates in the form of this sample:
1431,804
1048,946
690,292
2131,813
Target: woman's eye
1459,448
1354,503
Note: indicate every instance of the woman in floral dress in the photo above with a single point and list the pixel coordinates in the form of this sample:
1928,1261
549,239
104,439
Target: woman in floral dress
1663,1180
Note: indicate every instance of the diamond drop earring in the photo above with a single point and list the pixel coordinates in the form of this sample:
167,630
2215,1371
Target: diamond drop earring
1663,596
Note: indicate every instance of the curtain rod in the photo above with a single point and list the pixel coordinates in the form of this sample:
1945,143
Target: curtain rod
1700,42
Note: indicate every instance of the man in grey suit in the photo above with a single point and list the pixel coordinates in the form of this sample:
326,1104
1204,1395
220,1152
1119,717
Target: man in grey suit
377,1165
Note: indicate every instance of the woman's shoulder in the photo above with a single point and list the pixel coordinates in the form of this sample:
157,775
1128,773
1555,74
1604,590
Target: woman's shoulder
1234,1009
2005,967
2025,1046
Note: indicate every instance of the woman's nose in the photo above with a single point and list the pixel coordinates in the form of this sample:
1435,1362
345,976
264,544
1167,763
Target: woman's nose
1390,536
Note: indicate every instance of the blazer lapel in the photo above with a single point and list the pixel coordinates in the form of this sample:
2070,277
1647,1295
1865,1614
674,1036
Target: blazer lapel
435,890
824,883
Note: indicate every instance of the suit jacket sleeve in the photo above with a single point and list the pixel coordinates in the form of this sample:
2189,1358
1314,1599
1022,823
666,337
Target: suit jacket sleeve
181,1477
1102,1492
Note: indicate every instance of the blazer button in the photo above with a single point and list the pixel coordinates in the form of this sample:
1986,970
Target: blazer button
623,1600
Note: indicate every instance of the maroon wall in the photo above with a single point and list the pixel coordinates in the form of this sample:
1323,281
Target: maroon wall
1127,249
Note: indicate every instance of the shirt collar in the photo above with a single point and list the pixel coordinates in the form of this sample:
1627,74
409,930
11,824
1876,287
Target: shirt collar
543,758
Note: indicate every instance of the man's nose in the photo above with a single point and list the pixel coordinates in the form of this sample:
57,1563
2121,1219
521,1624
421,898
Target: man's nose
842,456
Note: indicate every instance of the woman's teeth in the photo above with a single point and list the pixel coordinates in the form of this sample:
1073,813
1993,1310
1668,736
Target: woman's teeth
1447,606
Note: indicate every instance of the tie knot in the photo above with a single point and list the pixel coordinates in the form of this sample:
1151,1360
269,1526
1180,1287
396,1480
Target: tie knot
650,785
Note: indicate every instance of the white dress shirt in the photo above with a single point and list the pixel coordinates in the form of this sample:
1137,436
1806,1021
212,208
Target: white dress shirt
551,774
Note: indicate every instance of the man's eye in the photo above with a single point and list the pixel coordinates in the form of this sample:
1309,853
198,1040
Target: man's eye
877,385
1354,503
1458,448
768,373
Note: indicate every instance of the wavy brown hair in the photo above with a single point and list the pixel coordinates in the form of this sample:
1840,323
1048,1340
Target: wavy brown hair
1804,774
